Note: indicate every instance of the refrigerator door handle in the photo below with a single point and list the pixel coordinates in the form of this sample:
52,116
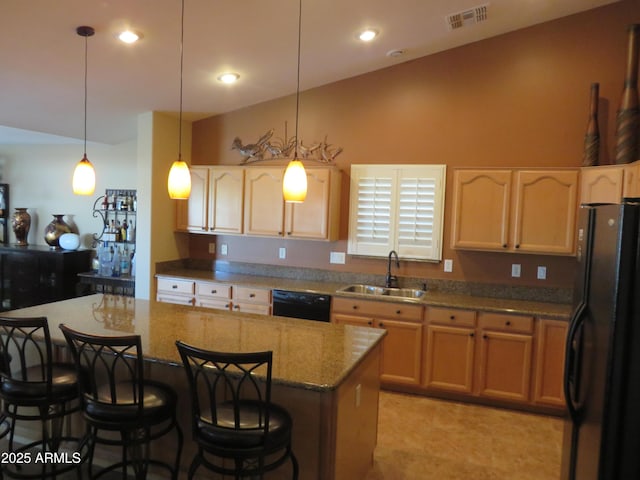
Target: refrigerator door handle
573,359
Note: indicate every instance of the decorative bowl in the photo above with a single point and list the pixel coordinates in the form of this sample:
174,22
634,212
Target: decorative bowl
69,241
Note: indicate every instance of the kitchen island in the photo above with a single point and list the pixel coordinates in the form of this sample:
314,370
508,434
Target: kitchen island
326,375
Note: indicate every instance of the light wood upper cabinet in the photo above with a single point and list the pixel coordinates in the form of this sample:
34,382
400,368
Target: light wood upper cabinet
215,203
192,213
226,192
263,202
481,206
267,214
526,211
601,184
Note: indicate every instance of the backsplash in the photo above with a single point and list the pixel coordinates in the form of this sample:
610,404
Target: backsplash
540,294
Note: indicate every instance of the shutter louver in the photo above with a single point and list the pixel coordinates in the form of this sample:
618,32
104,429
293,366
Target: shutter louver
416,212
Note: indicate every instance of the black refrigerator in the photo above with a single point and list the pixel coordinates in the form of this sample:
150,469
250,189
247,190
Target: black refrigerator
602,367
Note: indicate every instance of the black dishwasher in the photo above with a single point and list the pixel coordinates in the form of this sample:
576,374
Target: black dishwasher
305,305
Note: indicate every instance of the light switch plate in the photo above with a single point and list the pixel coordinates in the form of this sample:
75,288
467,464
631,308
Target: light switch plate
212,247
282,253
223,249
542,272
515,269
448,265
337,257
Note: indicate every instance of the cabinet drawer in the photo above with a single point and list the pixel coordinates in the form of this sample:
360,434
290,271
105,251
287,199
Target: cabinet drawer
505,323
213,290
217,303
179,299
175,286
261,309
252,295
374,309
451,316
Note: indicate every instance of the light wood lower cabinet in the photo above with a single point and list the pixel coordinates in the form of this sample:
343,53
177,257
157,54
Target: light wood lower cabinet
549,365
402,346
449,349
172,290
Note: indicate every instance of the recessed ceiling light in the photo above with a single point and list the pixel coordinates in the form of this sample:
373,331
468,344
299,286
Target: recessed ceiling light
229,78
367,35
129,36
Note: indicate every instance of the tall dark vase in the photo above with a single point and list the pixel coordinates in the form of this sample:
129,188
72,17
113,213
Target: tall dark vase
54,230
21,223
628,115
592,137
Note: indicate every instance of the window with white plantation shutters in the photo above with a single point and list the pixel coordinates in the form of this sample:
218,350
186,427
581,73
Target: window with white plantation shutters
397,207
374,210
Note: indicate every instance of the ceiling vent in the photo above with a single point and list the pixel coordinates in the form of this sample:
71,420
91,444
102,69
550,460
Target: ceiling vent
468,17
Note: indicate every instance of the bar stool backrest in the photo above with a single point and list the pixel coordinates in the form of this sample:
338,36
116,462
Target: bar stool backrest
25,353
111,368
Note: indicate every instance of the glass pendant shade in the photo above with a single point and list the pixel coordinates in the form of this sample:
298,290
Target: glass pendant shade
294,183
179,183
84,177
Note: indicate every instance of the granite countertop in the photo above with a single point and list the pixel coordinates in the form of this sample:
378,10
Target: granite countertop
307,354
559,311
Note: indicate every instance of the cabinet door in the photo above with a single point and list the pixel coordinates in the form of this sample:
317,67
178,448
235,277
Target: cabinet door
263,204
449,358
546,209
601,184
504,368
631,180
401,352
192,214
226,199
481,200
550,352
310,219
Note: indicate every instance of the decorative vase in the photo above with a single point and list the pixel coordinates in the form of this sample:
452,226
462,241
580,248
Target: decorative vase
592,136
21,222
628,115
54,230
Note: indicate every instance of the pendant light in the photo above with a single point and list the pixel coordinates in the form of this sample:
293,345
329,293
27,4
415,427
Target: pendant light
84,176
179,182
294,182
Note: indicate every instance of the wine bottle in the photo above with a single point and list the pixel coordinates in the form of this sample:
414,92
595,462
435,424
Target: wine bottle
628,115
592,137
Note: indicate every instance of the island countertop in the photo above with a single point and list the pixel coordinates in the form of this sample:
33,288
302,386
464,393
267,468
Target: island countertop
307,354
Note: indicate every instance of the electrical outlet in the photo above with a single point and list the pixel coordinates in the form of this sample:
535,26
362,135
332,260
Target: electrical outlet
223,249
212,247
515,269
337,257
542,272
282,253
448,265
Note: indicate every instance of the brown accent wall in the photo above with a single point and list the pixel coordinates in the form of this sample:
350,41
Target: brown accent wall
517,100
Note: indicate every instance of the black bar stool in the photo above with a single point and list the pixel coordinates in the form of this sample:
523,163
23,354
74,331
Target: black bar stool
35,388
120,406
232,414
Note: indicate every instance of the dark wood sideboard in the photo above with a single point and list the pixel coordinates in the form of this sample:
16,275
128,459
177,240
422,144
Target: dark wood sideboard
37,274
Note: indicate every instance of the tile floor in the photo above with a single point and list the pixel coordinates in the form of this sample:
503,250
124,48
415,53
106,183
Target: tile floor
422,438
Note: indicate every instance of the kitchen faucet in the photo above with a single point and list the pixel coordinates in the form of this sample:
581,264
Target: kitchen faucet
391,280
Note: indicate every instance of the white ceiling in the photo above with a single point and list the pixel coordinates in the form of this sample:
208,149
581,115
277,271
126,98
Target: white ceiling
42,57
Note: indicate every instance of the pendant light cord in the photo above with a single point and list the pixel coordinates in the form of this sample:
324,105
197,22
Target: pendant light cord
86,56
295,154
181,67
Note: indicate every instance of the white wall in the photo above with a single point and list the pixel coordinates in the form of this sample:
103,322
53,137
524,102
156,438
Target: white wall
39,178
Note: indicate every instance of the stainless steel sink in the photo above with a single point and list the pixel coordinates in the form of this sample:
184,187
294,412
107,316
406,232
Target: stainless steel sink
372,290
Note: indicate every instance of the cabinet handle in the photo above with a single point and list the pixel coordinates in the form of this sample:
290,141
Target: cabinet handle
279,233
508,323
237,307
398,312
214,291
251,295
174,286
370,323
472,334
381,325
226,305
504,245
355,307
518,246
485,336
452,317
288,233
